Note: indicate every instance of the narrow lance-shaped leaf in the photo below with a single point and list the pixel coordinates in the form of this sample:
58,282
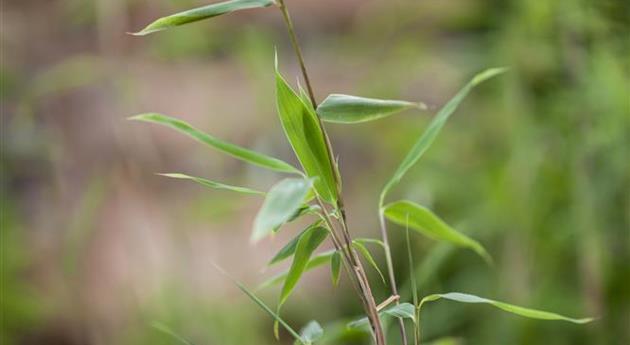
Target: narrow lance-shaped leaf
301,126
281,203
514,309
317,261
289,248
353,109
366,254
434,128
402,310
335,267
213,184
238,152
166,330
423,221
201,13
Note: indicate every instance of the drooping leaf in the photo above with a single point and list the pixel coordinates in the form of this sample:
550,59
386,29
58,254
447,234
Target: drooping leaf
402,310
281,203
166,330
370,241
335,267
434,128
312,332
366,254
201,13
306,245
262,305
514,309
289,248
425,222
213,184
301,126
352,109
238,152
304,210
316,261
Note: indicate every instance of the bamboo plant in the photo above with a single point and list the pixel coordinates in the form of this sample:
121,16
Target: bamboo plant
315,190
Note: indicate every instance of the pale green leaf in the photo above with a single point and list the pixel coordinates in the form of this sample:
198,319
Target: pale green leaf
201,13
312,332
402,310
281,203
166,330
366,254
352,109
289,248
425,222
335,267
316,261
514,309
238,152
301,126
434,128
213,184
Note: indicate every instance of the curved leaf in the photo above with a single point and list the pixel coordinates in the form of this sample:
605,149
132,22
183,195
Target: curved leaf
510,308
366,254
352,109
425,222
402,310
434,128
289,248
213,184
335,267
281,203
316,261
201,13
301,126
238,152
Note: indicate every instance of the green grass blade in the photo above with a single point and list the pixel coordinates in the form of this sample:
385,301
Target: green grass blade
201,13
316,261
366,254
213,184
510,308
166,330
282,202
425,222
434,128
352,109
301,126
289,248
238,152
335,267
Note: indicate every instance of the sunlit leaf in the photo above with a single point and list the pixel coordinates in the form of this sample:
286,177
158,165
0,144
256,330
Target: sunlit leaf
335,267
281,203
289,248
366,254
301,126
352,109
241,153
425,222
201,13
316,261
514,309
312,332
402,310
213,184
434,128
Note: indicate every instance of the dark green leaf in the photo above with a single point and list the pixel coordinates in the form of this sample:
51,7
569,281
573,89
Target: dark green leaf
526,312
335,267
289,248
201,13
213,184
241,153
434,128
352,109
281,203
423,221
301,126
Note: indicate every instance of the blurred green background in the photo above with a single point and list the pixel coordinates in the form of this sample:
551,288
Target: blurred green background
535,164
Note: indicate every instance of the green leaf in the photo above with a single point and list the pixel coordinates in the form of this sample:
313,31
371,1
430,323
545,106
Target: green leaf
352,109
213,184
335,267
402,310
261,304
305,248
301,126
289,248
238,152
370,241
312,332
316,261
434,128
425,222
366,254
281,203
514,309
166,330
201,13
